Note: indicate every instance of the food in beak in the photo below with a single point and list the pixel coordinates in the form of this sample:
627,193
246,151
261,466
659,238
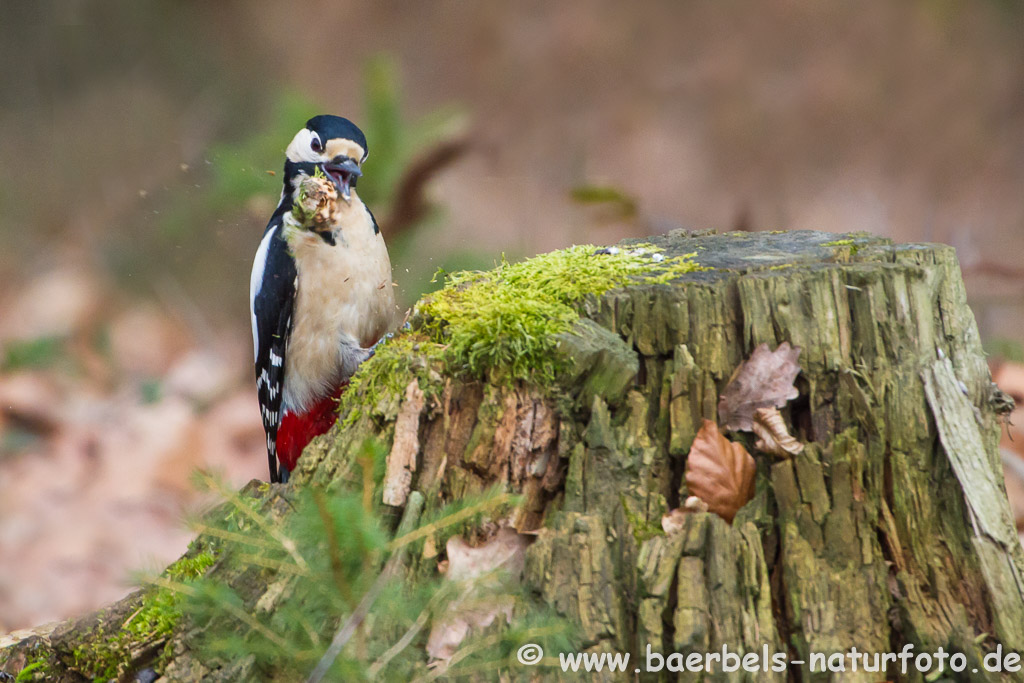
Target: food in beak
343,173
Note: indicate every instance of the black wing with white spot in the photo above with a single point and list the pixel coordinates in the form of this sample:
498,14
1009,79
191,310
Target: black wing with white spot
272,292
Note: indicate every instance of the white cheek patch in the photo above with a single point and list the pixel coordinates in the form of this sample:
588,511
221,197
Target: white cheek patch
299,149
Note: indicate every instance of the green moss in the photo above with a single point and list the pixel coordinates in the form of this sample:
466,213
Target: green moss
100,658
502,324
643,529
161,608
384,377
781,266
38,667
103,652
852,244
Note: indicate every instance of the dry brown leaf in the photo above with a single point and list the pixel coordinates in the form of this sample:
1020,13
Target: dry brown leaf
719,472
773,436
765,380
467,564
201,376
58,303
32,400
145,341
402,459
507,550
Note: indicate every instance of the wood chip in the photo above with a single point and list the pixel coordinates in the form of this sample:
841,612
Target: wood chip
406,447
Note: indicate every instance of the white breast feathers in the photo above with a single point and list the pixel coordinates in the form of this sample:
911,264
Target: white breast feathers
344,304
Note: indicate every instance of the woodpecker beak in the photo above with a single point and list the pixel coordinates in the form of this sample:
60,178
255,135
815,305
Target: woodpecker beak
343,172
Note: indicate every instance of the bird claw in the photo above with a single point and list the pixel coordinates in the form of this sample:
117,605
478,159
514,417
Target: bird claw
380,341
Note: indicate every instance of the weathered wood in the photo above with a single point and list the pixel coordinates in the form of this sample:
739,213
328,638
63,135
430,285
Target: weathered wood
890,528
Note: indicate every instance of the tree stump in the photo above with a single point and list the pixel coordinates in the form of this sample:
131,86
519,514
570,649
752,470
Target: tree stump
891,528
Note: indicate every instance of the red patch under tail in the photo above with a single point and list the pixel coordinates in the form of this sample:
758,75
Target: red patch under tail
295,431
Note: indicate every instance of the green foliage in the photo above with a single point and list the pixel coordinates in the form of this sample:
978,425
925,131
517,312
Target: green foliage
383,128
621,203
238,170
394,142
1005,349
234,188
152,391
35,354
332,552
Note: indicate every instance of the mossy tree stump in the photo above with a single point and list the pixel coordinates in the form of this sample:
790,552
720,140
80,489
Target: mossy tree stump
890,528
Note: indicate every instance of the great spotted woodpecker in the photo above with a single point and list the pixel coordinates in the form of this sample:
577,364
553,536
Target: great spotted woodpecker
320,293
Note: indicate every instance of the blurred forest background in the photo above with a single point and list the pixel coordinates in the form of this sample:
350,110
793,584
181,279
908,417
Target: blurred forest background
142,143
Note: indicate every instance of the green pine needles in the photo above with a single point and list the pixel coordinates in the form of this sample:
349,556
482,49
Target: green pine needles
341,564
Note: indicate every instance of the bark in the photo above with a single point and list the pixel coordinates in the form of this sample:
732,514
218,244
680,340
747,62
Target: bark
890,528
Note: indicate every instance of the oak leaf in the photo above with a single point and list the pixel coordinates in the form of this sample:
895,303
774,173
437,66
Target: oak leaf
719,472
765,380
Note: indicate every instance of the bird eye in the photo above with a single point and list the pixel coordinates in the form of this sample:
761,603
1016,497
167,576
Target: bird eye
315,144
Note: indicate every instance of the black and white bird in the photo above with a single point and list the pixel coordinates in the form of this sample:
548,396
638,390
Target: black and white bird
320,293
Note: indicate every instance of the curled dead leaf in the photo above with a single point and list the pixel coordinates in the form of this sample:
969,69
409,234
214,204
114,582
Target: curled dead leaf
765,380
773,436
719,472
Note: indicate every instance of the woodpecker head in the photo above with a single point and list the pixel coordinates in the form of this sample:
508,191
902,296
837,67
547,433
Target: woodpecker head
334,145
